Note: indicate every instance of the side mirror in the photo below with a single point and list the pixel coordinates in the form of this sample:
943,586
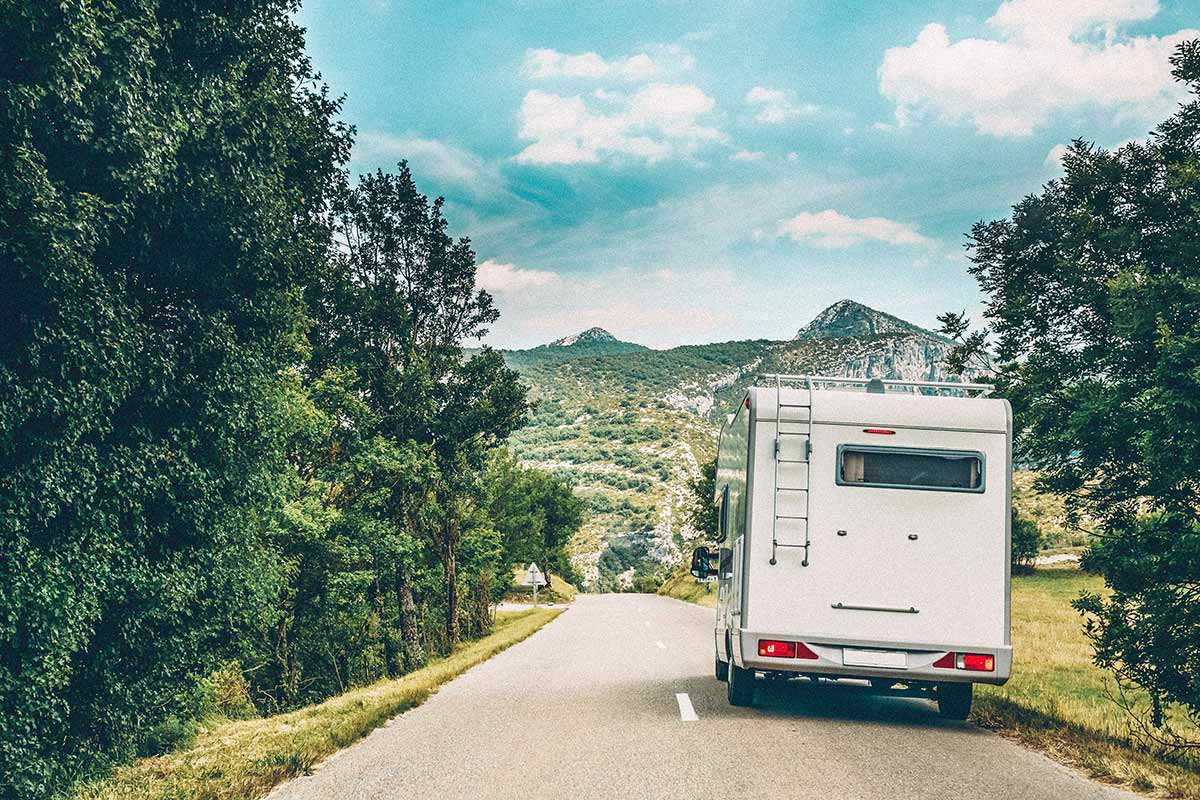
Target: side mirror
702,567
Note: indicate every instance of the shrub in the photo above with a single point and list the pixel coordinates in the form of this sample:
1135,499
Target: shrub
1026,542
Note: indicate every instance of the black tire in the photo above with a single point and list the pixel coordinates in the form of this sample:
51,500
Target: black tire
722,669
954,700
740,686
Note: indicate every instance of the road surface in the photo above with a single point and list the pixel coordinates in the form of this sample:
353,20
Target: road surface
588,708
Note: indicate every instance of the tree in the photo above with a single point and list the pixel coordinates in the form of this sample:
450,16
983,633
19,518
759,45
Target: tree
1094,303
163,178
535,512
702,513
395,308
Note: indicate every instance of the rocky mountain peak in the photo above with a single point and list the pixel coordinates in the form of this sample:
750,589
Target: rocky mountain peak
851,318
591,335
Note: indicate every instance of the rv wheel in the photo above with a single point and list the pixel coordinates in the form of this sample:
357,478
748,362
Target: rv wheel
954,700
722,669
740,687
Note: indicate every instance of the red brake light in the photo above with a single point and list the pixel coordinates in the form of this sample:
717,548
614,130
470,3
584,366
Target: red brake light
945,662
977,662
747,402
774,649
884,431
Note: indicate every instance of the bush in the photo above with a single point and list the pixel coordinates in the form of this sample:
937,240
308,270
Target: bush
167,736
1026,542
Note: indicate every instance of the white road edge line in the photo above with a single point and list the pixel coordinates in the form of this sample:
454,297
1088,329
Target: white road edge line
660,645
686,712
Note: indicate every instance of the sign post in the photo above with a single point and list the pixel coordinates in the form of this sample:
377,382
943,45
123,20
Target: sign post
535,578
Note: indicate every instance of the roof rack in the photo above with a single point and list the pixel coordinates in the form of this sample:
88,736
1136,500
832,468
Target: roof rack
916,387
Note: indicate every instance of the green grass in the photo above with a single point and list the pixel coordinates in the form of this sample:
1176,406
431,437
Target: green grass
1055,701
681,585
246,759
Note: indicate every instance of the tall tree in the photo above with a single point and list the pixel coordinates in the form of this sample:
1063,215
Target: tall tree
1094,302
535,512
396,308
163,172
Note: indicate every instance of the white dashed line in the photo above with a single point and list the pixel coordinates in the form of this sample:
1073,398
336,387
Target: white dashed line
686,712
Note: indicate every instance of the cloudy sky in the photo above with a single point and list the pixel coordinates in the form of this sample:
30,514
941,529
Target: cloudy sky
695,172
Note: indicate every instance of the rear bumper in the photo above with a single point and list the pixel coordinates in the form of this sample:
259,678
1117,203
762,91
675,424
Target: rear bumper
831,659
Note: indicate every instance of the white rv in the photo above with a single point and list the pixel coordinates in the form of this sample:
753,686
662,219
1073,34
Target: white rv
864,533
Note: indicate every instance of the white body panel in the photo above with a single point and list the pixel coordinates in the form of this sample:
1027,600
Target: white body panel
905,574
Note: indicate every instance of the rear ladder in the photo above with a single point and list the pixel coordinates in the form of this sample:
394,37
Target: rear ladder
793,447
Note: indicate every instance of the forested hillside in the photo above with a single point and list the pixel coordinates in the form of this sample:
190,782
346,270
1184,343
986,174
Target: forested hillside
630,429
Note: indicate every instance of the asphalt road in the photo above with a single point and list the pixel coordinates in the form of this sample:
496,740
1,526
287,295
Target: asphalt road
587,708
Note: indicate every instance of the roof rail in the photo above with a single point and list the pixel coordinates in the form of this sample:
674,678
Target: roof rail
916,387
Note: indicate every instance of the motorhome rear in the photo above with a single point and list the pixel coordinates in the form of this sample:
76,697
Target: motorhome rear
864,533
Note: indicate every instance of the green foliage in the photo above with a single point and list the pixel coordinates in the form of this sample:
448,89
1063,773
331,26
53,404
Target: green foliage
163,179
1145,631
1026,542
535,512
167,736
1094,300
702,514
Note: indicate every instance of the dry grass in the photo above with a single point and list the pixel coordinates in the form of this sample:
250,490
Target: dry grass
1055,701
236,760
559,591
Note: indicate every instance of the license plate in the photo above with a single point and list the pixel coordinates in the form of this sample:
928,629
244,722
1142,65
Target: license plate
892,659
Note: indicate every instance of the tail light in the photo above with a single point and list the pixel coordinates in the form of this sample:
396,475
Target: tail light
972,662
771,648
774,649
976,662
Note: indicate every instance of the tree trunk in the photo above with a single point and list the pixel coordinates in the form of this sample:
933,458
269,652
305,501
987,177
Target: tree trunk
414,654
451,585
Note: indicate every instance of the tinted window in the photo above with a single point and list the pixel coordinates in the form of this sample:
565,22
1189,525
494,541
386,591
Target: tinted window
949,470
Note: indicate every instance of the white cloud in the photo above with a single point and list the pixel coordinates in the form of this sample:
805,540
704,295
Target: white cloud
656,122
747,155
504,278
1055,156
1046,56
658,60
442,163
775,106
831,229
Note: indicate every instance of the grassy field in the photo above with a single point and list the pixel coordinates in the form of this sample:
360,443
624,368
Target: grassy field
246,759
1055,700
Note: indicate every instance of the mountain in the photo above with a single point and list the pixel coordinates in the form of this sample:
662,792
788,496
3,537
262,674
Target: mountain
592,342
851,318
629,426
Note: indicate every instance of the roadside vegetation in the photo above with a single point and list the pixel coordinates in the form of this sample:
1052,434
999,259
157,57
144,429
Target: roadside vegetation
241,759
245,460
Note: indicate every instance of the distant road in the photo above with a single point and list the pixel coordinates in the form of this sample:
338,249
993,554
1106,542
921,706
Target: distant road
588,708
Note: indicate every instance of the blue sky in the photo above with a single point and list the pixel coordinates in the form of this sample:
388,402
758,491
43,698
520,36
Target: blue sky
683,173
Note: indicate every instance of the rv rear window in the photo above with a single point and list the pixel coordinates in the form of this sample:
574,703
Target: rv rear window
906,468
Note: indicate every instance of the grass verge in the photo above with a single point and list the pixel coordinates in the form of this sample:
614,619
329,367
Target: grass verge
559,591
682,586
1055,701
246,759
